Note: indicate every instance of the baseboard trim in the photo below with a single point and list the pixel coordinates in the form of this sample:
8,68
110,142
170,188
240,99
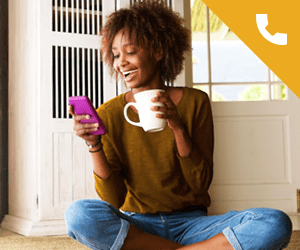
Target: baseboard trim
58,227
33,228
295,218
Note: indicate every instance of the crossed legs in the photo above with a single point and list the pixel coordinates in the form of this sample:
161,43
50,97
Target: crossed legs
137,239
100,226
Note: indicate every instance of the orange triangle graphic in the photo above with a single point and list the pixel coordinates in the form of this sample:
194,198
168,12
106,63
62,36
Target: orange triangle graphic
271,29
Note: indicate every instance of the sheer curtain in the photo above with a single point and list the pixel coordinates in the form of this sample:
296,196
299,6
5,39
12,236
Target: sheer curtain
3,108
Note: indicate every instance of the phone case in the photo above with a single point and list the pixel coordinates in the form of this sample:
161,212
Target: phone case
82,105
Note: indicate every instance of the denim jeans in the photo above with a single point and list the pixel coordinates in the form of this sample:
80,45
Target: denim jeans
99,225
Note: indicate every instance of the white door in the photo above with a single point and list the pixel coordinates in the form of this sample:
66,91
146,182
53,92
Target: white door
256,121
71,65
256,159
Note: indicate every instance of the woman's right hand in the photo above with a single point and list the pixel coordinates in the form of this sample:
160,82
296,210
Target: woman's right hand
83,130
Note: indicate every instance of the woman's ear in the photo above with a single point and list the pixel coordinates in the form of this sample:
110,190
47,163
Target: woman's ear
159,54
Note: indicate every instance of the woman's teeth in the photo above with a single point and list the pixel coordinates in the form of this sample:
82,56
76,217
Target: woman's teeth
129,72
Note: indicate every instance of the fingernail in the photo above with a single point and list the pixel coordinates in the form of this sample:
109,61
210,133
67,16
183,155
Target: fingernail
96,124
87,117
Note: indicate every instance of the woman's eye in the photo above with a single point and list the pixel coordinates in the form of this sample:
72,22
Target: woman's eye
132,53
116,56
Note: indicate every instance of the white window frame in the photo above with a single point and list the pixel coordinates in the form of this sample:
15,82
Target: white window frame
270,82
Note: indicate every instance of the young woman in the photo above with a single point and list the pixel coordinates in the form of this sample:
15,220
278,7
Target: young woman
154,186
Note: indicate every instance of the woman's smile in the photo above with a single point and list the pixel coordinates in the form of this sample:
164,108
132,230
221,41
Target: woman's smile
137,66
128,75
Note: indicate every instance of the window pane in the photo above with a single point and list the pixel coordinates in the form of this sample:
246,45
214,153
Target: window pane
204,88
238,92
232,60
199,42
279,91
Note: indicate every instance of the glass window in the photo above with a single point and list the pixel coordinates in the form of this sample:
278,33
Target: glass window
239,92
233,61
199,42
224,67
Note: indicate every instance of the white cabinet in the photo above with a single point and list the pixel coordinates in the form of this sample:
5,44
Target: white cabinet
53,54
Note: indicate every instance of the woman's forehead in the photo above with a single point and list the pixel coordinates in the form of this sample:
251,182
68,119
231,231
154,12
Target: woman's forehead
122,38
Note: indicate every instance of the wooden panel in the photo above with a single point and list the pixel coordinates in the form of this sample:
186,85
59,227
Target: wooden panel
79,168
89,177
62,168
72,170
251,192
251,150
221,207
23,107
240,197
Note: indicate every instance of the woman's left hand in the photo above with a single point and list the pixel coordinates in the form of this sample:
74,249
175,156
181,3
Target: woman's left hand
169,111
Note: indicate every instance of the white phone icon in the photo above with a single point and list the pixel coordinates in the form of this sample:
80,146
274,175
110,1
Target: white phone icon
262,22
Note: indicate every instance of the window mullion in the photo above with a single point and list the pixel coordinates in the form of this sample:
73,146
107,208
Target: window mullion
208,52
270,85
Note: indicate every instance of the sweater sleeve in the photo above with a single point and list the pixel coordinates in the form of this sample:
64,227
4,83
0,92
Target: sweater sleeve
112,189
197,168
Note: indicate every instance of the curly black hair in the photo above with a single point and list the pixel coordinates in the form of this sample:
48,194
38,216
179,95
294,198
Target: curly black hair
154,25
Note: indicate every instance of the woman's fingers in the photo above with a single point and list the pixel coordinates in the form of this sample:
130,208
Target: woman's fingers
83,130
87,126
163,108
71,112
78,118
169,110
164,98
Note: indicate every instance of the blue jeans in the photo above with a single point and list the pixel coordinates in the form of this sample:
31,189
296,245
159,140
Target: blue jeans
99,225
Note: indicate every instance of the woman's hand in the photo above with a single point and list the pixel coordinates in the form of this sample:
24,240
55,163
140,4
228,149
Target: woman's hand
83,130
169,111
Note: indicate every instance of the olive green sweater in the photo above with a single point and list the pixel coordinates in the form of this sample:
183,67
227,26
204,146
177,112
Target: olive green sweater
148,175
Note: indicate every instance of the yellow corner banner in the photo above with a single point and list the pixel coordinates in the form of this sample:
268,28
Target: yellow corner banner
270,28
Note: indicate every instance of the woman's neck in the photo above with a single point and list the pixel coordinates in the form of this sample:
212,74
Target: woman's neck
159,85
129,95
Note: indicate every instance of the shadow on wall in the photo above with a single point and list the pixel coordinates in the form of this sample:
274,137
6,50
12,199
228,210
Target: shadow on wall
3,109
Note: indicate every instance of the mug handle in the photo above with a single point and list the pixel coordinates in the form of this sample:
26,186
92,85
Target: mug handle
138,124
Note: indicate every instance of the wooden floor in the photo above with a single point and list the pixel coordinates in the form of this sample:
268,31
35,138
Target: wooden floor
294,243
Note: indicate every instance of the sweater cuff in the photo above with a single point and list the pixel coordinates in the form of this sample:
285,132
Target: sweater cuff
97,178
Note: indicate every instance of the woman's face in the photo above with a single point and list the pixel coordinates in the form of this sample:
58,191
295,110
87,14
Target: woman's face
135,64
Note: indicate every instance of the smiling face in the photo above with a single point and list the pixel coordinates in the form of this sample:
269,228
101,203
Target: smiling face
136,65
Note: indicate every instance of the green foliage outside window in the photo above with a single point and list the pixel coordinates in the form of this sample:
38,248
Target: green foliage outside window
199,18
255,92
280,92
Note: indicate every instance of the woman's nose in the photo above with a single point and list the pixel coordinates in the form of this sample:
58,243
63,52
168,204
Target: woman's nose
122,60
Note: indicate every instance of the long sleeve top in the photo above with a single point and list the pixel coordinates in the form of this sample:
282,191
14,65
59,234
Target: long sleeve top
148,175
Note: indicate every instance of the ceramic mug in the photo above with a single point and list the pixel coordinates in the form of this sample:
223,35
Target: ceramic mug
148,120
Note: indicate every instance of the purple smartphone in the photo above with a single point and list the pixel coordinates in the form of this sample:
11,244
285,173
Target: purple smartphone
82,105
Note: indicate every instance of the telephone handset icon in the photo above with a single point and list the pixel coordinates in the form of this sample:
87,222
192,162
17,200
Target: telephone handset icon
262,22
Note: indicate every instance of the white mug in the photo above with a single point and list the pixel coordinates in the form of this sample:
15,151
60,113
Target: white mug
148,120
